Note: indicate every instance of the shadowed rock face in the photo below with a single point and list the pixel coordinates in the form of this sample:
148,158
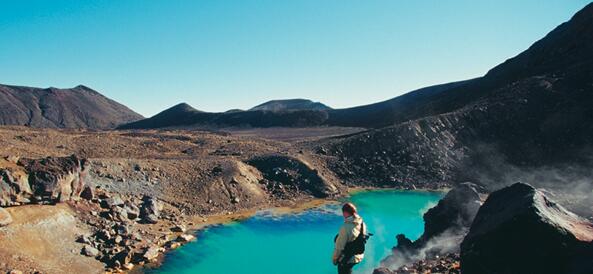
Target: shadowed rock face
47,180
78,107
445,226
520,230
456,211
284,176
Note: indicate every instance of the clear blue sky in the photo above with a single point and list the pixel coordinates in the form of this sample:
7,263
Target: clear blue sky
217,55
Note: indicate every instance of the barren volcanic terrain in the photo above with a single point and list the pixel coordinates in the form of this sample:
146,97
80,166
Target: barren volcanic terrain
192,174
78,197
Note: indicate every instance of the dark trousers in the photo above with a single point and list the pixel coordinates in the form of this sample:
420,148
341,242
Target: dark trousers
345,268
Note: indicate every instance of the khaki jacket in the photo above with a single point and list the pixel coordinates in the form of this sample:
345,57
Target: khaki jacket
348,233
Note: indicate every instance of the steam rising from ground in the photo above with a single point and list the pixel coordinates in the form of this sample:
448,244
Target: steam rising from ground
569,184
446,242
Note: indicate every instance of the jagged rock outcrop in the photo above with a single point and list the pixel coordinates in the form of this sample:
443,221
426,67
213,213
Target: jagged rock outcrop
520,230
47,180
14,183
445,225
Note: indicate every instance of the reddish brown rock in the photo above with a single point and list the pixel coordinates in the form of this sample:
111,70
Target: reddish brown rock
14,183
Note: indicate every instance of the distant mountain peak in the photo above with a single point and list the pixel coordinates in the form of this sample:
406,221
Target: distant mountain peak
78,107
83,87
180,114
181,107
290,104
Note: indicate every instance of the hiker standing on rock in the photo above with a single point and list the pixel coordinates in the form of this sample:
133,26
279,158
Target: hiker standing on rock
350,241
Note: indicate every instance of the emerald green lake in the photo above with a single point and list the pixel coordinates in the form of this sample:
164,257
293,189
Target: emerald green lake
300,242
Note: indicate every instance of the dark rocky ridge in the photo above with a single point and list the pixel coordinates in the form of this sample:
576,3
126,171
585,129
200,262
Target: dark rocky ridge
302,113
180,114
539,119
184,116
305,113
520,230
564,53
78,107
410,106
290,104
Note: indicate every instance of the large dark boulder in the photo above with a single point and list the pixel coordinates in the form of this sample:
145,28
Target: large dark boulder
520,230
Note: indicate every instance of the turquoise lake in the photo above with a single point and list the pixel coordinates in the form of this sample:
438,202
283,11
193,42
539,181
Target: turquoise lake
300,242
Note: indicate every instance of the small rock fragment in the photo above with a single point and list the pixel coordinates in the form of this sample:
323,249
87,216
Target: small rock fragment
90,251
185,238
151,253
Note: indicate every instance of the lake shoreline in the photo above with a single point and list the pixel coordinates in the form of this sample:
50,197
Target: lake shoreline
204,222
